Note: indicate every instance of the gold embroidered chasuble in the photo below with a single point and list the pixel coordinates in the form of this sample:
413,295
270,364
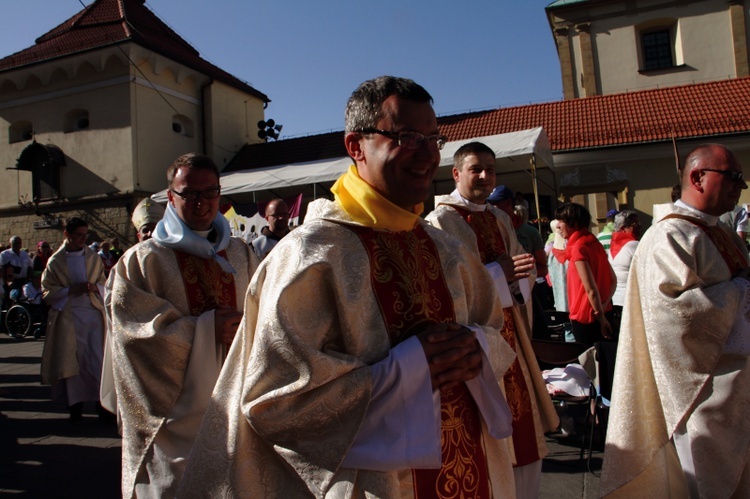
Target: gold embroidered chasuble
410,288
160,305
59,359
296,383
671,368
490,234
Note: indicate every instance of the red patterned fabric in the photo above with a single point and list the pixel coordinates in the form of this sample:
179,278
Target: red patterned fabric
491,246
408,281
207,286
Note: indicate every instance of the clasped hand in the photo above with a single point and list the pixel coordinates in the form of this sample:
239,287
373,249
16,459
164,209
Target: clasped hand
516,267
453,354
226,322
82,288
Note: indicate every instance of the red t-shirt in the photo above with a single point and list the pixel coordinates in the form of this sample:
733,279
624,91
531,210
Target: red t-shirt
584,246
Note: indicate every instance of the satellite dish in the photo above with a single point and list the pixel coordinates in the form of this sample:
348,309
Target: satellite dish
270,123
262,124
262,134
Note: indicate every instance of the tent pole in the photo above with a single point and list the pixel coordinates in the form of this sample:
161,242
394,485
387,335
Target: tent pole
532,161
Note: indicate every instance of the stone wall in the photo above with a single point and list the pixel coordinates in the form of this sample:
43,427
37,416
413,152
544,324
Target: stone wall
107,219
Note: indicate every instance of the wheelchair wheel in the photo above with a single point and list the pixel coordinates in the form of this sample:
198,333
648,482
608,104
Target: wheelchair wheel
18,321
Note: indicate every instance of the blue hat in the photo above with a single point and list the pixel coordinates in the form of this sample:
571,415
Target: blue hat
612,213
500,193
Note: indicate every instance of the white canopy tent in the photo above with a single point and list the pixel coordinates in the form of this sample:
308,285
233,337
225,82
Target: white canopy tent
515,151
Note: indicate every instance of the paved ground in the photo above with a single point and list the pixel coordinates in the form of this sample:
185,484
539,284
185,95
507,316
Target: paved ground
42,455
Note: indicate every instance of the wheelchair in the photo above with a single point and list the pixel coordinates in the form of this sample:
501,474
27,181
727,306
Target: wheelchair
25,319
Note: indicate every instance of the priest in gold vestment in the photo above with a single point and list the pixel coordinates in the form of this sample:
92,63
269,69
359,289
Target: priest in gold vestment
679,418
368,357
173,308
486,229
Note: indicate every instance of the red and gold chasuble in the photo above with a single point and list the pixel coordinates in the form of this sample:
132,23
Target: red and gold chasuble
410,287
207,286
491,246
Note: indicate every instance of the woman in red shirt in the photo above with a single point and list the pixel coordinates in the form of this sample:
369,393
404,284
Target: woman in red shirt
591,280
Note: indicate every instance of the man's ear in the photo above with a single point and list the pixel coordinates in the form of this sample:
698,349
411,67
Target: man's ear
455,174
170,197
354,146
695,179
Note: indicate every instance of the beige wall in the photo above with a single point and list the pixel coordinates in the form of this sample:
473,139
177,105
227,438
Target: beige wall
704,47
130,141
231,121
98,158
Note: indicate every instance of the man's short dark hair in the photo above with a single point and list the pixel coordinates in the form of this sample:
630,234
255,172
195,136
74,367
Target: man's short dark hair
74,223
365,105
574,215
191,160
624,219
476,148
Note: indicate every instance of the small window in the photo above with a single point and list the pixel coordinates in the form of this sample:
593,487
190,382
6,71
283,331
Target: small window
20,131
76,120
657,50
182,125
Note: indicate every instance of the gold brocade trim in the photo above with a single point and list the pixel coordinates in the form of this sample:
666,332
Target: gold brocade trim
460,475
406,265
518,397
411,291
207,286
489,239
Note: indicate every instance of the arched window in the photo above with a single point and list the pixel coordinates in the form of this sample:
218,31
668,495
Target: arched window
20,131
76,120
182,125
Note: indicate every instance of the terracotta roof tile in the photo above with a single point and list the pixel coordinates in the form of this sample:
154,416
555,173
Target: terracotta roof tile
109,22
696,110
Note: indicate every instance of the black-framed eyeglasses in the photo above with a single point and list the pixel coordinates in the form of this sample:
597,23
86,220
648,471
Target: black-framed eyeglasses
733,175
194,195
410,140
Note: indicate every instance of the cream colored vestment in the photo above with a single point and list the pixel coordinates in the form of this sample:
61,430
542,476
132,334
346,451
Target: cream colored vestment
448,219
672,370
165,361
296,384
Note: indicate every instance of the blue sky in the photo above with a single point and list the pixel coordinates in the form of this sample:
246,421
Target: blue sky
308,56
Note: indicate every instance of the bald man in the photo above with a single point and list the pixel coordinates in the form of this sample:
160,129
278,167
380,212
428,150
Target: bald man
682,383
277,216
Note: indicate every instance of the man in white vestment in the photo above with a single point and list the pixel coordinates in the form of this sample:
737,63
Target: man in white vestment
369,337
680,418
73,286
466,214
174,307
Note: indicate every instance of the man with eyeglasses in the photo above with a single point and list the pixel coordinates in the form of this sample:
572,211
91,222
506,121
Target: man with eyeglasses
277,216
488,231
678,426
369,337
174,304
73,287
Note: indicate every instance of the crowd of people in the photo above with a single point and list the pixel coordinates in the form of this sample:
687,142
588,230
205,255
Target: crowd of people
374,352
